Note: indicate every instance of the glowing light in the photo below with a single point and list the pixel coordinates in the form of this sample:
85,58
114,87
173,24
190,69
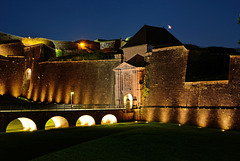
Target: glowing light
169,27
21,124
128,99
82,44
222,130
202,117
85,120
183,115
28,124
165,114
225,118
56,122
109,119
33,41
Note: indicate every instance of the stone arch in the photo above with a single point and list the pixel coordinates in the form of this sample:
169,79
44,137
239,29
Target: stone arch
109,119
85,120
128,101
21,124
26,81
56,122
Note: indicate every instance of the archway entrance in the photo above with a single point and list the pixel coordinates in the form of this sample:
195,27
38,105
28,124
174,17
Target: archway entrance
128,101
21,124
56,122
109,119
85,120
26,81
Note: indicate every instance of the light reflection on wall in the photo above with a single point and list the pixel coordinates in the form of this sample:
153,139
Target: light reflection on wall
225,118
150,115
85,120
182,115
2,89
58,95
51,91
202,117
109,119
15,88
164,114
35,94
43,94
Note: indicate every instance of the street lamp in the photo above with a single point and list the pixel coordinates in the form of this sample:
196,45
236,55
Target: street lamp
71,97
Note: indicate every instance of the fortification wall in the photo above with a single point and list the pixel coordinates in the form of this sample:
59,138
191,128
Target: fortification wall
91,81
65,45
11,77
11,49
208,93
202,117
166,74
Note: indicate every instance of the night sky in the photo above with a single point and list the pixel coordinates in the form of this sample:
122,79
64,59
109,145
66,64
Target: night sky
199,22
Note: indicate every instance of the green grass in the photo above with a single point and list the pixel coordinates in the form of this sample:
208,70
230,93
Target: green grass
124,141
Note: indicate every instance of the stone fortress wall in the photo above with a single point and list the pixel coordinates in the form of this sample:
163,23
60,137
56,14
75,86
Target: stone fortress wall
167,73
171,99
202,103
92,82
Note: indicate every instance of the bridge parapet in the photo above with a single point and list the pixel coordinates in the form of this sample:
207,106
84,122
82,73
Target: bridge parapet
40,118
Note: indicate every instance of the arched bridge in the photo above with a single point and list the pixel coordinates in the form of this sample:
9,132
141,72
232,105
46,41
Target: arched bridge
62,118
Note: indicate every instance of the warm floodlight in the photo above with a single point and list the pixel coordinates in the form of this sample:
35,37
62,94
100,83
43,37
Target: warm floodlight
82,44
86,120
109,119
28,124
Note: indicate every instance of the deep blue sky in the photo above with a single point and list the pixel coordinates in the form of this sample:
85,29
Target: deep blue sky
200,22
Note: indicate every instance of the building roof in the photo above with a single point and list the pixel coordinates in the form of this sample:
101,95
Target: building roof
155,36
137,61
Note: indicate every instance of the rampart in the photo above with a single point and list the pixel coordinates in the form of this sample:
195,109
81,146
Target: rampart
222,118
11,49
91,81
11,77
167,85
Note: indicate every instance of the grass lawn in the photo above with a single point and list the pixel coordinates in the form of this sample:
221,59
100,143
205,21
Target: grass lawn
124,141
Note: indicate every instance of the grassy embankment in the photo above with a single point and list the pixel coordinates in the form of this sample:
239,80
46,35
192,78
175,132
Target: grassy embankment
124,141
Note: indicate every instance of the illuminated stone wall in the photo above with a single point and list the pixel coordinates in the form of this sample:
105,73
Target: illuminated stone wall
166,72
91,81
202,117
11,77
166,76
11,49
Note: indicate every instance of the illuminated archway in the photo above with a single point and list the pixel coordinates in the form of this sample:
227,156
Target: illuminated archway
21,124
26,81
128,101
56,122
109,119
85,120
